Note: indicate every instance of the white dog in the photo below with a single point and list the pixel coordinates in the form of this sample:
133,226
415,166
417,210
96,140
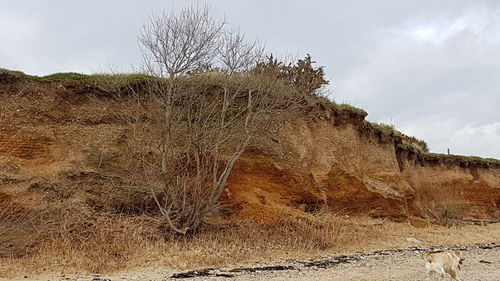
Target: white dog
443,262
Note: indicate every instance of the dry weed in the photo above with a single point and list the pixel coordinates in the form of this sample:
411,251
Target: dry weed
80,243
18,229
446,206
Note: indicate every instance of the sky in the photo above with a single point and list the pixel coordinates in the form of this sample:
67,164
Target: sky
430,68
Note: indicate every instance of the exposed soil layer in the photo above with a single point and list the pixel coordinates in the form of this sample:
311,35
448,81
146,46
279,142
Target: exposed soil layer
61,140
317,166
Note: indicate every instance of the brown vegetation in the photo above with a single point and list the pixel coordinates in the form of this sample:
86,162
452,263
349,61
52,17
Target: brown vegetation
79,244
74,195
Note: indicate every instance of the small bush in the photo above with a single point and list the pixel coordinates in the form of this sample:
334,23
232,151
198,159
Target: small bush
302,74
348,107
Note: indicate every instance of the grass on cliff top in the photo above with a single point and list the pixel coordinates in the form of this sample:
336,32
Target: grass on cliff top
386,132
14,73
389,132
345,106
100,79
469,159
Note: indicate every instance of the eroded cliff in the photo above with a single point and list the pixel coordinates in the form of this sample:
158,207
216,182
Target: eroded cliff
60,141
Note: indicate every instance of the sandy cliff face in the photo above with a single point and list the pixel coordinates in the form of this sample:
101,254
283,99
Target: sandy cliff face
55,135
317,165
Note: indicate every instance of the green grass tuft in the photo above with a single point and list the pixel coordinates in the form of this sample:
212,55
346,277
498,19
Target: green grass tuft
350,108
14,73
468,159
65,76
389,132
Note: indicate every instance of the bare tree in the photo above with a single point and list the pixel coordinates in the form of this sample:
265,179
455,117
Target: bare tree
201,123
173,44
196,132
176,43
236,54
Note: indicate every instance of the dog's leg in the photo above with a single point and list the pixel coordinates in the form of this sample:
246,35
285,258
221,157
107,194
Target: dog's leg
453,274
430,270
439,270
428,274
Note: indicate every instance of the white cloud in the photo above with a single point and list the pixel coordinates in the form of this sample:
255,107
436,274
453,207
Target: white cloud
469,137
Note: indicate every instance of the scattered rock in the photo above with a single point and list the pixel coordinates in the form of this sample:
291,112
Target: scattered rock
194,273
413,240
100,279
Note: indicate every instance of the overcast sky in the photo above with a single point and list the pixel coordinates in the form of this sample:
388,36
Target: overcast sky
431,68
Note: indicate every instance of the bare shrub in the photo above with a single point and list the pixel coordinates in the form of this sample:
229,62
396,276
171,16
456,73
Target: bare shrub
200,131
238,55
213,120
172,45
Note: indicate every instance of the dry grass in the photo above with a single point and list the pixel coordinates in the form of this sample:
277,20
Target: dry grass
17,228
80,243
445,206
72,238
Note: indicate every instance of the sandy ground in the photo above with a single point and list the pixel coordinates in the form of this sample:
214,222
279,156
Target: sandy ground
408,266
480,264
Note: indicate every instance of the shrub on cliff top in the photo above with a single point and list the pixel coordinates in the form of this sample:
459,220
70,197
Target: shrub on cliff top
302,74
